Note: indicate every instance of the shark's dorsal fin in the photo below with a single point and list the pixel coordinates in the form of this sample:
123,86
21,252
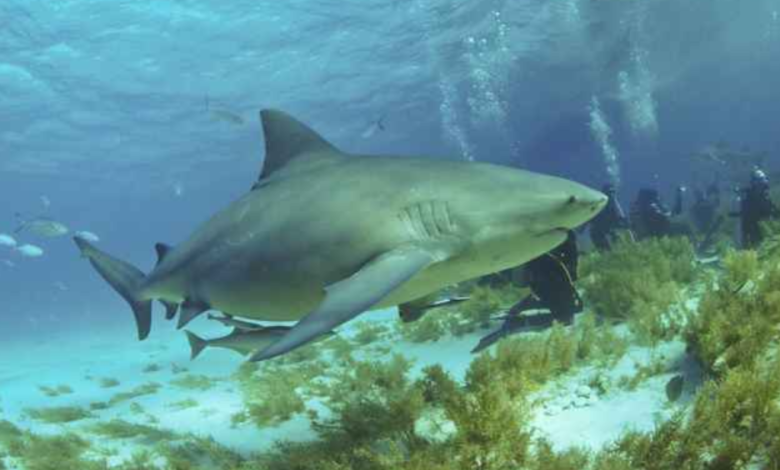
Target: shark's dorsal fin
288,140
162,251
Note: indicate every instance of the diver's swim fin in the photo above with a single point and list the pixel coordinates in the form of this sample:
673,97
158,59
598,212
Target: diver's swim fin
514,325
125,278
349,298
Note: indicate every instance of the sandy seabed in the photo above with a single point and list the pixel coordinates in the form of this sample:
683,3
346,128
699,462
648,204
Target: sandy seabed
571,413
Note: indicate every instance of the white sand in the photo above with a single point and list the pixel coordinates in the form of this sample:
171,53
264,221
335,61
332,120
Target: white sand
69,359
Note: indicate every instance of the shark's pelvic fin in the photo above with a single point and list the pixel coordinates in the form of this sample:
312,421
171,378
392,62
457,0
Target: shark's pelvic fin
170,309
189,310
162,251
125,278
287,140
349,298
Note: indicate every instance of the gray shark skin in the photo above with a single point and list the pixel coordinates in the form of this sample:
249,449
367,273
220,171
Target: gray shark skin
325,236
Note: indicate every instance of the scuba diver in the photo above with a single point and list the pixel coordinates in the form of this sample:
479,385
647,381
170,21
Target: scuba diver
649,215
755,206
551,278
604,227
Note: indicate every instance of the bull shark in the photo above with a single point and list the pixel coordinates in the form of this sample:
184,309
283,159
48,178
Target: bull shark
325,235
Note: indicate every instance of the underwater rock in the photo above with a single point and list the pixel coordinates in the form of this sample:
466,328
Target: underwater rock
584,391
552,409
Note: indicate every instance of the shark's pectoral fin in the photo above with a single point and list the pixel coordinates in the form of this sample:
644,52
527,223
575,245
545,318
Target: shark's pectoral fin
349,298
189,310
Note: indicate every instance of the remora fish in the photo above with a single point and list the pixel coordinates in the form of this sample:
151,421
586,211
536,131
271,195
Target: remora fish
43,227
372,128
241,341
223,114
229,320
325,236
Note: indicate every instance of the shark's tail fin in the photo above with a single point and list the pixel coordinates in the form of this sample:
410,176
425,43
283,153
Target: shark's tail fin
125,279
197,344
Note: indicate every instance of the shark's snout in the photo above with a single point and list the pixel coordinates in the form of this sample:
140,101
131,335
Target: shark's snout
593,202
581,206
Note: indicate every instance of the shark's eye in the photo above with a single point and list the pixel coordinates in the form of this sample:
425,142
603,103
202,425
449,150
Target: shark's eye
572,199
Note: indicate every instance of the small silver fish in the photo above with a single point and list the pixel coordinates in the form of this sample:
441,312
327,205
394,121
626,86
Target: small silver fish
227,116
88,236
7,240
43,227
29,251
178,189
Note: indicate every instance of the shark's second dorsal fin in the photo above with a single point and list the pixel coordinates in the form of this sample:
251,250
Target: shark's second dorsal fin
162,251
287,139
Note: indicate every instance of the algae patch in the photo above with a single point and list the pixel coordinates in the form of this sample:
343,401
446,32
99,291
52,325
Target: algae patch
55,391
149,388
121,429
58,414
194,382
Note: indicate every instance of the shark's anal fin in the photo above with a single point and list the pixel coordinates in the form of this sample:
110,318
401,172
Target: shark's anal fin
162,251
189,310
349,298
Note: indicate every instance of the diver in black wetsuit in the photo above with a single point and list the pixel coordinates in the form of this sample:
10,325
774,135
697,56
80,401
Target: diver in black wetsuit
756,206
604,227
552,277
650,217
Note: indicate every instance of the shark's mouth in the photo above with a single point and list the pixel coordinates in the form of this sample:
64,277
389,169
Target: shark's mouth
554,231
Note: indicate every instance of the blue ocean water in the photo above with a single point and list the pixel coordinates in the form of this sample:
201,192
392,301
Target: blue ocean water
121,117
